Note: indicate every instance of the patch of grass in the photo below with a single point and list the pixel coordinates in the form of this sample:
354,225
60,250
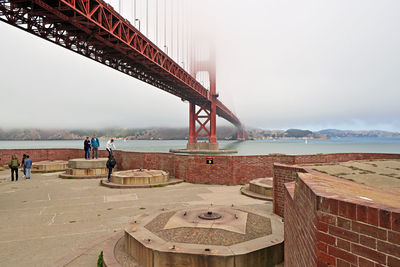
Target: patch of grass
367,172
100,260
340,174
396,169
68,177
72,221
372,164
361,171
321,171
141,208
354,168
392,175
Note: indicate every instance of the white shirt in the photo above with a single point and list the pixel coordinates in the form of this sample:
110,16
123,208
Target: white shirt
110,145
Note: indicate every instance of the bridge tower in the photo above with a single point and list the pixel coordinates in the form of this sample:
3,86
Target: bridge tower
202,120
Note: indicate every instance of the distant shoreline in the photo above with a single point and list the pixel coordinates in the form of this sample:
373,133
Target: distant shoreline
223,133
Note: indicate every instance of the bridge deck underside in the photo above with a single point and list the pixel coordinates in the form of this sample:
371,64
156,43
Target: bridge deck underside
94,29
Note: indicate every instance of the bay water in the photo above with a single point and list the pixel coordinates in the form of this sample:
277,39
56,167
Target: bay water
249,147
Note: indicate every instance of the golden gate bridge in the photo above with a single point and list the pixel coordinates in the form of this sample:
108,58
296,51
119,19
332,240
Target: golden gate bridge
179,59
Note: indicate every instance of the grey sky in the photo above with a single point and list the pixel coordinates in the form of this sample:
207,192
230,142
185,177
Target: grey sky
281,64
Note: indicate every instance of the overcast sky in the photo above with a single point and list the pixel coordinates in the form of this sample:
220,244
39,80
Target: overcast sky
281,64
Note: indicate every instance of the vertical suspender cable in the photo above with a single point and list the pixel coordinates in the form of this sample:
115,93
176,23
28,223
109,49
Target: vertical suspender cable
156,22
177,32
183,34
134,12
172,32
165,26
187,36
147,18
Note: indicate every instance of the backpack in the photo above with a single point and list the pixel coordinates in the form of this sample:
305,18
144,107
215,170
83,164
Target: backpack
14,163
111,163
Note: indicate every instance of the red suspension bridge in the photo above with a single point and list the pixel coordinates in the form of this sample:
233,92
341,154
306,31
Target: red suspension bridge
93,28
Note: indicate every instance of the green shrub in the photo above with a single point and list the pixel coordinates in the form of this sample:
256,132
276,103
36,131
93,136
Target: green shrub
100,260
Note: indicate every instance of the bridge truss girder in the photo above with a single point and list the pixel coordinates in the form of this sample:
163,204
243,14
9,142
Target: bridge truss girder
92,28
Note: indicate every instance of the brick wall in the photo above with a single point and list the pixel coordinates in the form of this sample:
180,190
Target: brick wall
44,154
328,224
300,245
283,174
229,170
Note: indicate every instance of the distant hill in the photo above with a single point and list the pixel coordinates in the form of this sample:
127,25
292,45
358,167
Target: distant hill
223,133
350,133
226,133
257,134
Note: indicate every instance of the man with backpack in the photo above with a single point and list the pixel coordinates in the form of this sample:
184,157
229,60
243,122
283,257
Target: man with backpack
110,165
14,164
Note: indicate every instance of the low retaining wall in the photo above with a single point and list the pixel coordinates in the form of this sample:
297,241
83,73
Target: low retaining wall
44,154
335,222
229,170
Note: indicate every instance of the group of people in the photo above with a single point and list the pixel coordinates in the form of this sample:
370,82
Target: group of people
93,146
14,164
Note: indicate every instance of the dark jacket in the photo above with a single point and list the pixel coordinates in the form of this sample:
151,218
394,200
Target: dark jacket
86,145
111,163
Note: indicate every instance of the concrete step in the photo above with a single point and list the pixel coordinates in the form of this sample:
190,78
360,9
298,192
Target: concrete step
260,188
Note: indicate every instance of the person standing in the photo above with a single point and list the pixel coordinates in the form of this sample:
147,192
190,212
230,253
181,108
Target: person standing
27,167
22,164
86,147
110,165
110,146
14,164
95,143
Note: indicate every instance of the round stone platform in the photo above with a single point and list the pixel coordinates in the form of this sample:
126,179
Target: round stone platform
49,166
139,177
261,188
170,181
86,169
181,238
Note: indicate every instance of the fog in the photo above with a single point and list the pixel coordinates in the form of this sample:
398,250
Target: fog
280,64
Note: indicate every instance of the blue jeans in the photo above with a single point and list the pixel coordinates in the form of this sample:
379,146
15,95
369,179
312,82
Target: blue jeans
87,154
28,173
109,150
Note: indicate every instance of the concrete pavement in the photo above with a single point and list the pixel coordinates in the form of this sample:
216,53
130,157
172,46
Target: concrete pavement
49,221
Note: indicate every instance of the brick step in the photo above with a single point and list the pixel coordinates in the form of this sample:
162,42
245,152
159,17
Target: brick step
262,186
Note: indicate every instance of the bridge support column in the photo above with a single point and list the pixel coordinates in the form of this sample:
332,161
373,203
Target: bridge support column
192,126
213,110
241,134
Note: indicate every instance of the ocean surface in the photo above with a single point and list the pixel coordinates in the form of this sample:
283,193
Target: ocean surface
251,147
